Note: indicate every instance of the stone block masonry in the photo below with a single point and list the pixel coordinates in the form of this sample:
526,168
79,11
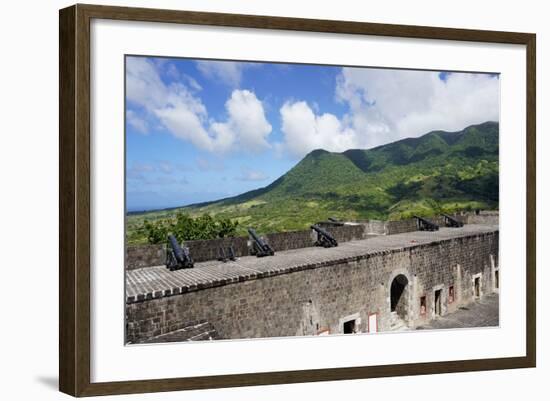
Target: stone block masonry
408,278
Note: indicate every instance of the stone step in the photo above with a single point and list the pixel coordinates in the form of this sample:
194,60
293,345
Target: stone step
207,335
396,323
197,332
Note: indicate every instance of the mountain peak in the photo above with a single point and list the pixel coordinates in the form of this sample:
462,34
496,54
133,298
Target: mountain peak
316,153
437,171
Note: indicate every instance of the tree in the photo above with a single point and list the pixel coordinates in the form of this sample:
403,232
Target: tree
185,228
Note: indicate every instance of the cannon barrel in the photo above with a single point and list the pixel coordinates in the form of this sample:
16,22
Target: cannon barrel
426,225
254,236
320,230
178,252
324,238
261,248
332,222
177,257
452,222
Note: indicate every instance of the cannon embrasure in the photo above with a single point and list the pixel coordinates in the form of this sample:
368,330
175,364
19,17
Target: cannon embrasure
260,248
425,225
324,238
177,257
452,222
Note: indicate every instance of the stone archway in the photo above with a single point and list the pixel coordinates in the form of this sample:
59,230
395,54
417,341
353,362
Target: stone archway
399,296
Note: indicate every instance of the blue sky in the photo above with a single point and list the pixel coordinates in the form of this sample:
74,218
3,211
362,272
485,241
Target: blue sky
200,130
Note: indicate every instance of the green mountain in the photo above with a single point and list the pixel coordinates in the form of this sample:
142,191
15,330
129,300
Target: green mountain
437,172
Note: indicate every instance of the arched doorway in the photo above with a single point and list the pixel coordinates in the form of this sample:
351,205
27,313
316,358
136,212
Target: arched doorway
399,296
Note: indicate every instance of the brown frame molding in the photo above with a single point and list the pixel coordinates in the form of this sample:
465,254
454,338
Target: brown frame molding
74,199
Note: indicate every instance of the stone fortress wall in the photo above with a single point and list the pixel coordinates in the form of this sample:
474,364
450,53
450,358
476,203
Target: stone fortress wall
381,283
138,256
203,250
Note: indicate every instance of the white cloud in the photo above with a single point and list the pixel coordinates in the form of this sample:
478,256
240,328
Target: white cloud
251,175
192,83
246,121
162,173
162,167
138,168
167,180
166,167
172,71
304,130
139,124
143,84
184,115
388,105
227,72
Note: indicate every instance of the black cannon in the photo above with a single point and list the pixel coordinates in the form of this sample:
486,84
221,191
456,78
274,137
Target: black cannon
425,225
260,248
177,257
324,238
226,254
451,222
335,222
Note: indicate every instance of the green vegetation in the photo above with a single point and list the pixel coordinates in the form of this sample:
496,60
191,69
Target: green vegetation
437,172
184,227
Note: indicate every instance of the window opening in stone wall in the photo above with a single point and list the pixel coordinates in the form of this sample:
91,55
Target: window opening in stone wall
496,279
451,294
477,287
423,305
350,327
437,302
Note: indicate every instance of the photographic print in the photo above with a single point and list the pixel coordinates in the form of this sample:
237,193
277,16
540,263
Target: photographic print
268,199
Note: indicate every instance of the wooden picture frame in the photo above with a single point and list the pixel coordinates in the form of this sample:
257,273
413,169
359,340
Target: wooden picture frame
75,207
